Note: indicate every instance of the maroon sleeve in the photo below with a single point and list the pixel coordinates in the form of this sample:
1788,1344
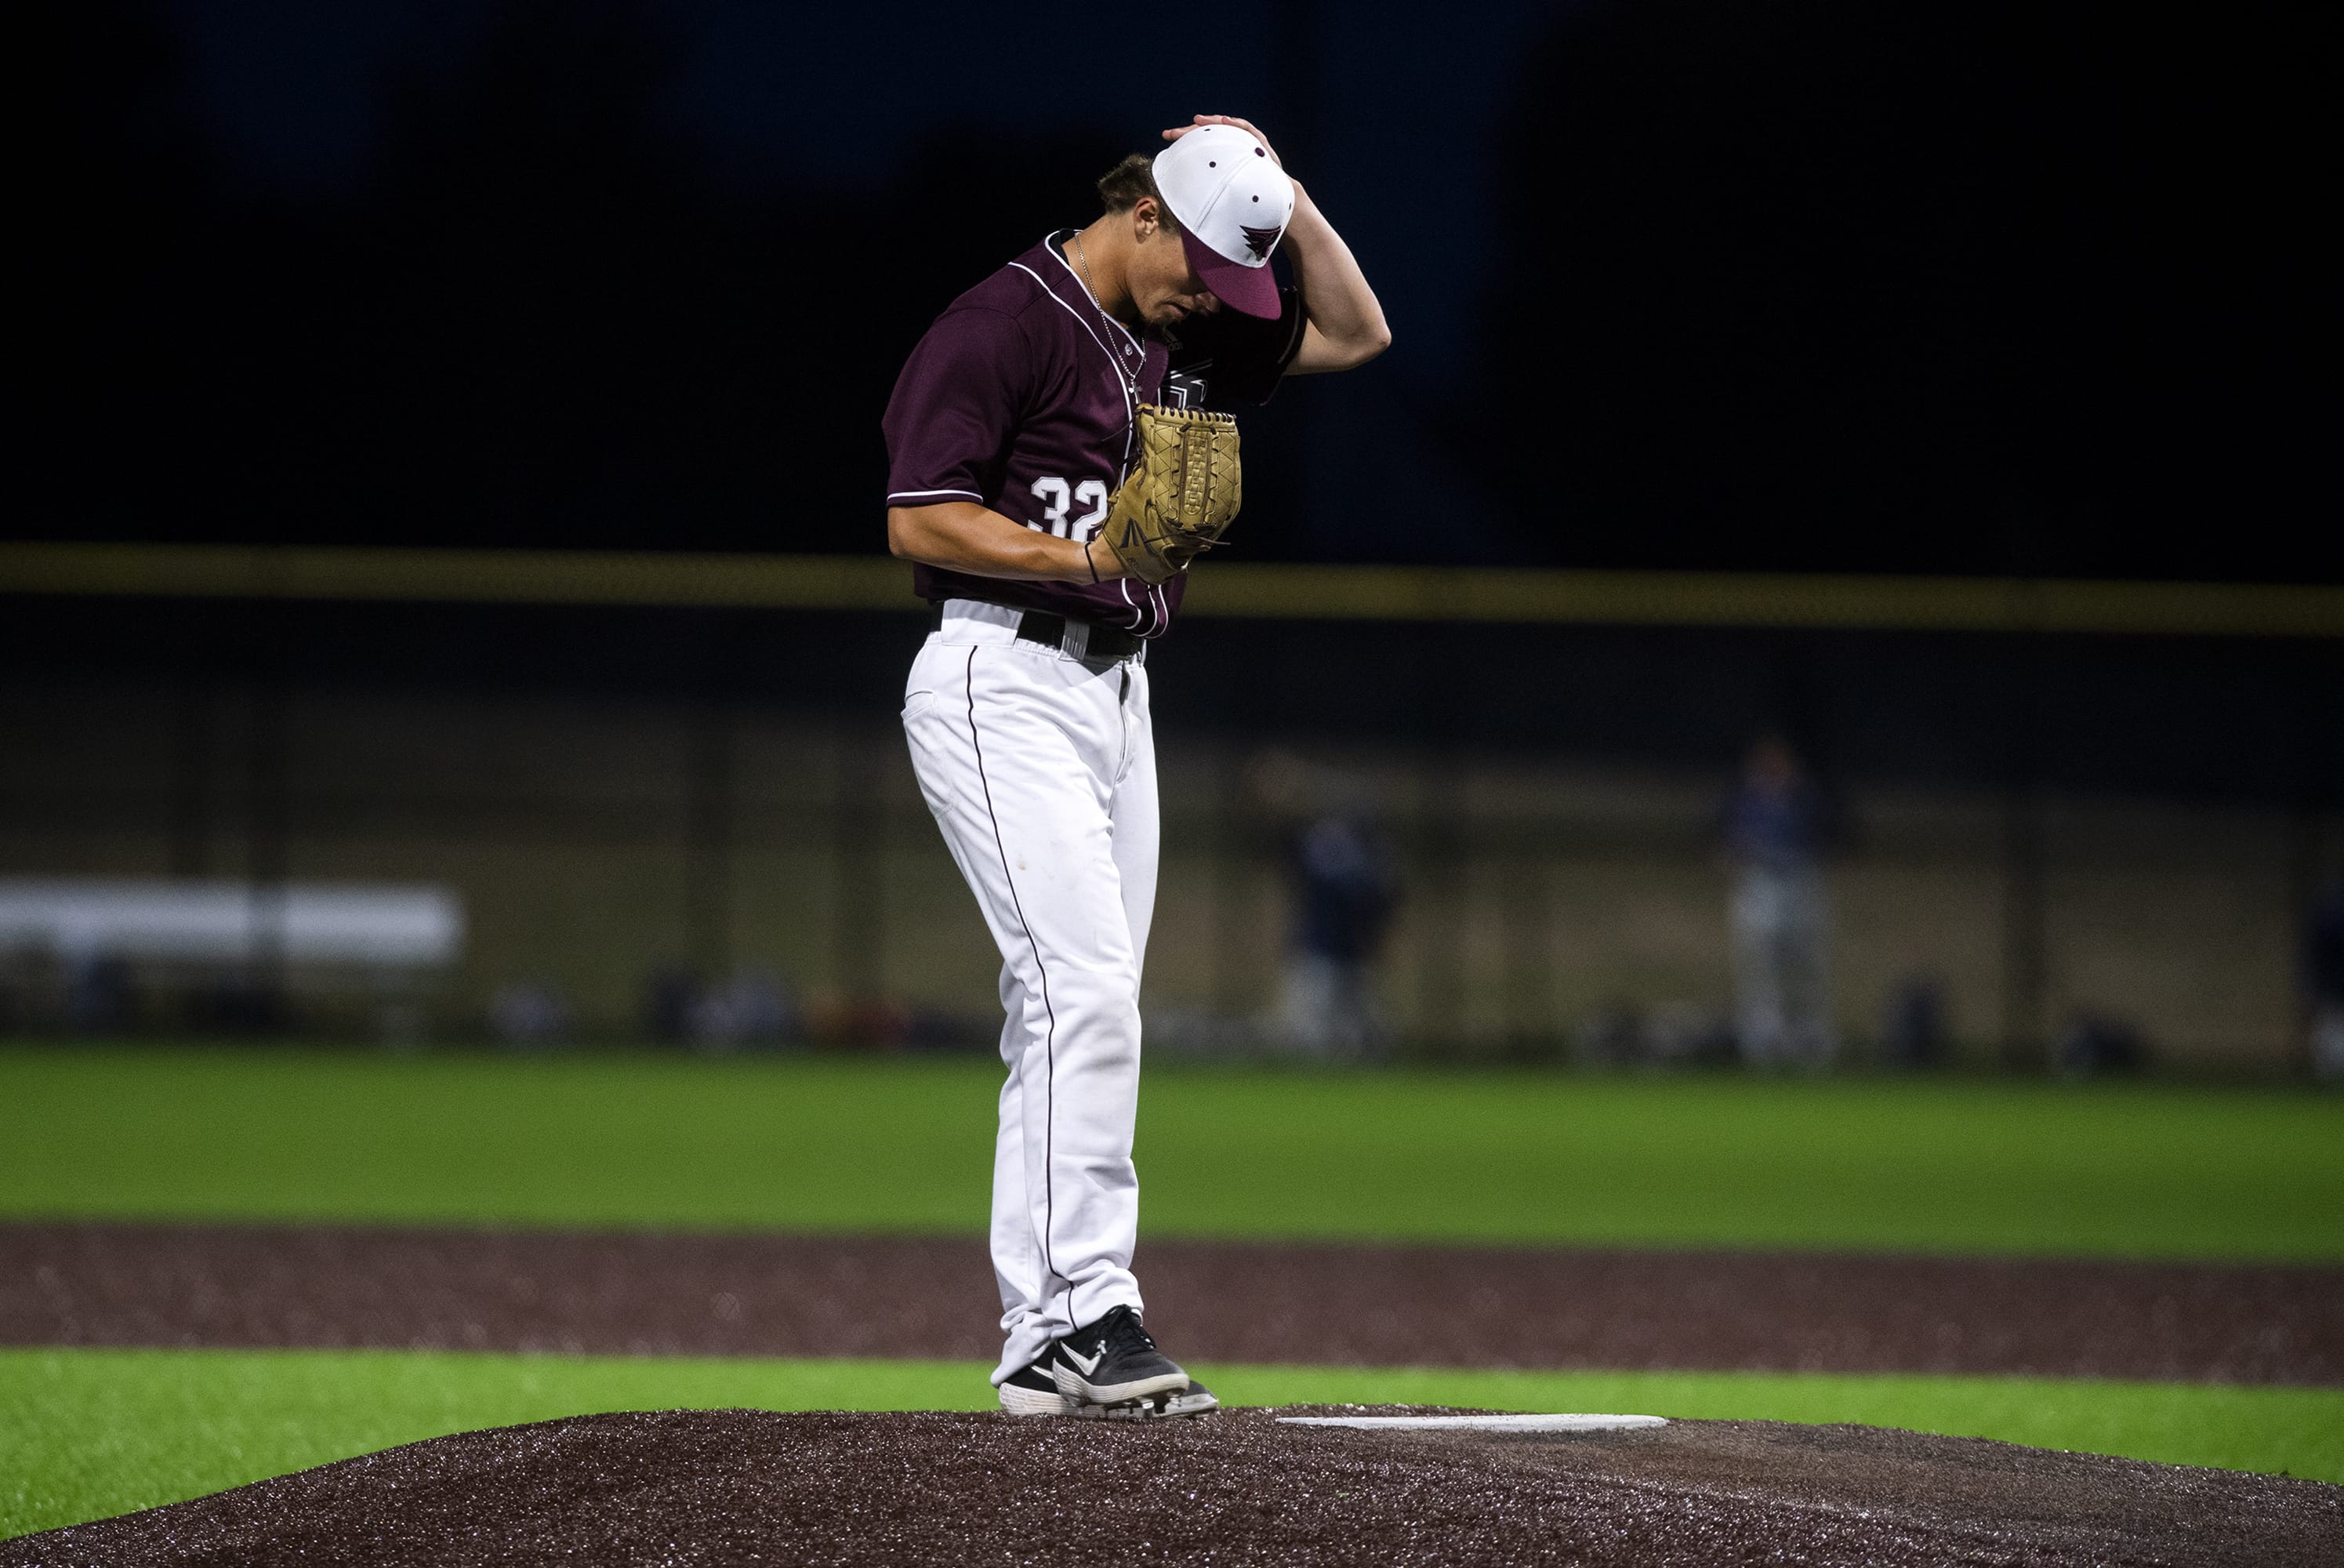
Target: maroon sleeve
1248,356
955,409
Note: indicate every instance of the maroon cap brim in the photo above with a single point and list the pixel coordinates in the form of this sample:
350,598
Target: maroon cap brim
1252,290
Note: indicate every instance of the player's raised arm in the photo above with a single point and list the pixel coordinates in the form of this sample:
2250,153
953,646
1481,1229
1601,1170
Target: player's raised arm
1346,325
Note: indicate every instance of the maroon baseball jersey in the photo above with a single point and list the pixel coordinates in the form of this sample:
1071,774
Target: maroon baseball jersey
1021,398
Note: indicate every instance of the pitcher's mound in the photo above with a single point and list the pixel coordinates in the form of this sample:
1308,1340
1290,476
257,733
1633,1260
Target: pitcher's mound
746,1486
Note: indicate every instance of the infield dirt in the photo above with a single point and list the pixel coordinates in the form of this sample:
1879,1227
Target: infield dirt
862,1296
744,1487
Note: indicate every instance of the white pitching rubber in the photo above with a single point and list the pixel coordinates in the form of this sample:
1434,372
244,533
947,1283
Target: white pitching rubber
1482,1423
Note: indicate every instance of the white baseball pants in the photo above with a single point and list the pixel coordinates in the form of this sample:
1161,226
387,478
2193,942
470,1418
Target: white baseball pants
1041,771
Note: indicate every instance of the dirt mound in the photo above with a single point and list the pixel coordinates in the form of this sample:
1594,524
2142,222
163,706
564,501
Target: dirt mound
692,1487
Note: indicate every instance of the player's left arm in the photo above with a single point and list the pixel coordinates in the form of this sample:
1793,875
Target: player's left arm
1345,325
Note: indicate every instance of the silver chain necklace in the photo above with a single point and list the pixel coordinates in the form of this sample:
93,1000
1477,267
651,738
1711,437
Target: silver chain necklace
1123,345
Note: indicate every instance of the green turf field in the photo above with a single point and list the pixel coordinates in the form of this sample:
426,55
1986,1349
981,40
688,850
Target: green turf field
1929,1166
88,1433
823,1144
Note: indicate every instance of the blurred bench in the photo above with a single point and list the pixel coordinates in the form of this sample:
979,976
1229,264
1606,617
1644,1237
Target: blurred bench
367,925
236,947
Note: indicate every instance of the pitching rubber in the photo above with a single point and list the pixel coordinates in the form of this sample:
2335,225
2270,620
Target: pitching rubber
1482,1423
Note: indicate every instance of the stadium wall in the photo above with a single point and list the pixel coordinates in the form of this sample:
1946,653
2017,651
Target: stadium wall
599,837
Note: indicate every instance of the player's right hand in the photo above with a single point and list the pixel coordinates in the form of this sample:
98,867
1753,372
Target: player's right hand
1176,132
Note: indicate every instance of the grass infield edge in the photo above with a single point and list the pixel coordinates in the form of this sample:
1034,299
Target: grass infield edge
86,1433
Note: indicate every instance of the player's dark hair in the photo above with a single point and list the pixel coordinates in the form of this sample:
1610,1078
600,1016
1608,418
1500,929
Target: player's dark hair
1122,187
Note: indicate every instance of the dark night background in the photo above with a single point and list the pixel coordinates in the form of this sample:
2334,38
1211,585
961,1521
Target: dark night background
1689,283
1806,287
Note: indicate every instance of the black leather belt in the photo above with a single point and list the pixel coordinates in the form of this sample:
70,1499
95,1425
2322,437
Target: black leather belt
1077,639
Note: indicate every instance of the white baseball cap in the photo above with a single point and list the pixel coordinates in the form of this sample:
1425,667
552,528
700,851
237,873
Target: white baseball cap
1234,203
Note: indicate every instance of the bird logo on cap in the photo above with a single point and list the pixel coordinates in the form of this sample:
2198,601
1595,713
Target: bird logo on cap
1259,240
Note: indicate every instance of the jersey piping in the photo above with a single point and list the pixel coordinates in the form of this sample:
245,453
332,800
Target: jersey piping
1148,618
1122,377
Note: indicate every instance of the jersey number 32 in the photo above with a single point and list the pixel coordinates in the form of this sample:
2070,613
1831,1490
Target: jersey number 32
1059,499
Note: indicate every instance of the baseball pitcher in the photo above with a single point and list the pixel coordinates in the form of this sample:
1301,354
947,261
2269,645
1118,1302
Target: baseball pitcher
1057,461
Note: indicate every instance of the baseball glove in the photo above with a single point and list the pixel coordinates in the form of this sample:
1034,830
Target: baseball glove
1181,496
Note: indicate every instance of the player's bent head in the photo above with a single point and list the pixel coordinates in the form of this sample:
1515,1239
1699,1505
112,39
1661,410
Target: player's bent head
1131,182
1165,287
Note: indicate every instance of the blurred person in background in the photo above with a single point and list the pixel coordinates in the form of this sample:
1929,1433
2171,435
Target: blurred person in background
1912,1024
98,994
1341,888
1775,827
529,1012
1343,895
2323,982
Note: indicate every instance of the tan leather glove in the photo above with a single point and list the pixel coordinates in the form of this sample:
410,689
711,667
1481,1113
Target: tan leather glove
1180,497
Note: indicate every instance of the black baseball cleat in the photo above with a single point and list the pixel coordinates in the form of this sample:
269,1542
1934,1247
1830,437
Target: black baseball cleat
1031,1392
1194,1400
1114,1361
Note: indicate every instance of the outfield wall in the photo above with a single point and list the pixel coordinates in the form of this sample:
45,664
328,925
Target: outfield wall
599,838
